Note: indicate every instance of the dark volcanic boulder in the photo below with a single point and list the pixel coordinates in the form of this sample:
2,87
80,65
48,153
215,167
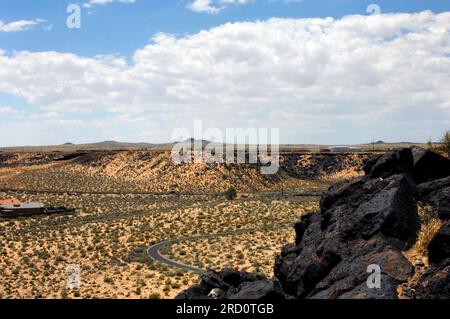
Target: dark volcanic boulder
394,162
362,291
439,246
232,284
385,206
437,194
429,165
434,282
361,223
301,227
369,162
262,290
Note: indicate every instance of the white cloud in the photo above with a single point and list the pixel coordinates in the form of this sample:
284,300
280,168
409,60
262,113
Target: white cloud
20,25
203,6
346,80
92,3
213,6
6,110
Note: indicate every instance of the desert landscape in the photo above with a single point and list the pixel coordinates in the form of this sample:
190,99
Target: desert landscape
145,227
227,151
126,201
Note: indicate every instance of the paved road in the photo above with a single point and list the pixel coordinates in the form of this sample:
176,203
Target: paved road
153,251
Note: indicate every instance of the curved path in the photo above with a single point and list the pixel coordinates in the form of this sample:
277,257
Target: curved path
154,251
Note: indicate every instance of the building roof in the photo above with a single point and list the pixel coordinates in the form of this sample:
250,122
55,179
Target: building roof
32,205
10,202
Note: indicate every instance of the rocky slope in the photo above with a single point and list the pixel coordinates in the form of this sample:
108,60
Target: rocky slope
155,171
363,224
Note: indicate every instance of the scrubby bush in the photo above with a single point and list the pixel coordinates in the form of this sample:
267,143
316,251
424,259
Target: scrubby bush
430,224
446,142
154,295
231,193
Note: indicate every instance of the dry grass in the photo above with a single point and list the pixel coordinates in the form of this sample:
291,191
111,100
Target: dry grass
418,254
108,234
430,224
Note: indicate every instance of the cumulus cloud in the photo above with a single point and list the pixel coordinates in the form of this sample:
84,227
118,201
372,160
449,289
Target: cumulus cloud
213,6
20,25
92,3
319,80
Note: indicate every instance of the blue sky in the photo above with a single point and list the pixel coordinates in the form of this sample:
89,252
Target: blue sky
138,42
122,28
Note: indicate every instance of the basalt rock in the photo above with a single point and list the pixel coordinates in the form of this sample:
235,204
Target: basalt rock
364,225
369,162
437,194
363,222
429,165
439,246
434,282
395,162
232,284
262,290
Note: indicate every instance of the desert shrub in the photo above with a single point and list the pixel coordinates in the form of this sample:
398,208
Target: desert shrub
64,294
107,280
154,295
231,193
175,285
446,142
430,224
139,255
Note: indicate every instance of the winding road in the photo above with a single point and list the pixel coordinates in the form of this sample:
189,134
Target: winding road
154,251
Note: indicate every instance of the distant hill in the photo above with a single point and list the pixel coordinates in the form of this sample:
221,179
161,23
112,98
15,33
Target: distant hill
392,143
118,146
99,146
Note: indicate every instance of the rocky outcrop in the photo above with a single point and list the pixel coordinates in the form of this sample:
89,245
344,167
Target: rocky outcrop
361,231
364,222
429,166
232,284
439,246
312,166
391,163
437,194
434,282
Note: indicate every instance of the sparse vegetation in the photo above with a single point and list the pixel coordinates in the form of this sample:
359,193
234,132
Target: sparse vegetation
231,193
430,224
446,142
116,220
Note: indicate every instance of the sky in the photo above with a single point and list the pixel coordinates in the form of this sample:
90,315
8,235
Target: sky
322,72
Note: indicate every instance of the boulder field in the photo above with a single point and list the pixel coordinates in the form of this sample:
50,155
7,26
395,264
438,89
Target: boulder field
364,224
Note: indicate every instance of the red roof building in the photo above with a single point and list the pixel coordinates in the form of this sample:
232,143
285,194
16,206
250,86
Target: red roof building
10,202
